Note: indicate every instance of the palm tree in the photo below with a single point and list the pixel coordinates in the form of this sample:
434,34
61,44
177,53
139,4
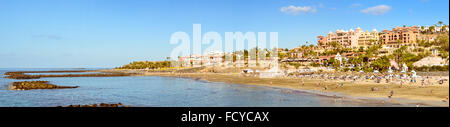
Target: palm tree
422,27
431,28
440,23
319,43
372,42
444,27
335,44
268,53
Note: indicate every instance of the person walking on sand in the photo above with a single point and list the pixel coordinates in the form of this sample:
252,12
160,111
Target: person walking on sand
335,98
392,94
342,84
423,83
401,83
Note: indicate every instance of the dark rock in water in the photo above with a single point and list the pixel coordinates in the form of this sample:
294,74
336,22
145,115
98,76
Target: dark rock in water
23,75
29,85
99,105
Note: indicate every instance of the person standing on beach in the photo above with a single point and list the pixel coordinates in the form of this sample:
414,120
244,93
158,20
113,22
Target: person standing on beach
336,97
401,83
392,94
423,83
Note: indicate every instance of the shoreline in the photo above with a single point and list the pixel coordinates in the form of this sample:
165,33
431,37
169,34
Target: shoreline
358,90
310,87
24,75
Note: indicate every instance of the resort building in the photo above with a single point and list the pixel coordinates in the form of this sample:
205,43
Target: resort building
428,37
324,60
322,41
365,39
433,29
300,51
400,36
218,59
349,39
212,58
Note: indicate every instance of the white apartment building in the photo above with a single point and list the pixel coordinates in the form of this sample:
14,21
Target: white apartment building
211,58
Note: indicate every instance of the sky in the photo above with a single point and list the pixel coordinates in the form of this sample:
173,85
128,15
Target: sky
110,33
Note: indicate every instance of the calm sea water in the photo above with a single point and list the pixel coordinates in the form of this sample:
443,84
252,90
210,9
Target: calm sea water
148,91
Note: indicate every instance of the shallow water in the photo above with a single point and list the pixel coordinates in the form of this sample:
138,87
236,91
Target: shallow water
63,73
148,91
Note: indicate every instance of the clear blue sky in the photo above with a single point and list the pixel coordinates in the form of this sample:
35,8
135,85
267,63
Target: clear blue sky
110,33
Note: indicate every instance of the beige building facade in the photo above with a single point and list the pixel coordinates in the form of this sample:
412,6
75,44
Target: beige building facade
400,36
349,39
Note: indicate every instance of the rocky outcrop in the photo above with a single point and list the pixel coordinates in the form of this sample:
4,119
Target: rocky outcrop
99,105
29,85
23,75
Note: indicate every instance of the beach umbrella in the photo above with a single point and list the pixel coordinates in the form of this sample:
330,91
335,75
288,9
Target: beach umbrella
414,72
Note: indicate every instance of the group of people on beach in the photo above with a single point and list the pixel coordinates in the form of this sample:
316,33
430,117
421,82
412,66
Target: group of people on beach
377,78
